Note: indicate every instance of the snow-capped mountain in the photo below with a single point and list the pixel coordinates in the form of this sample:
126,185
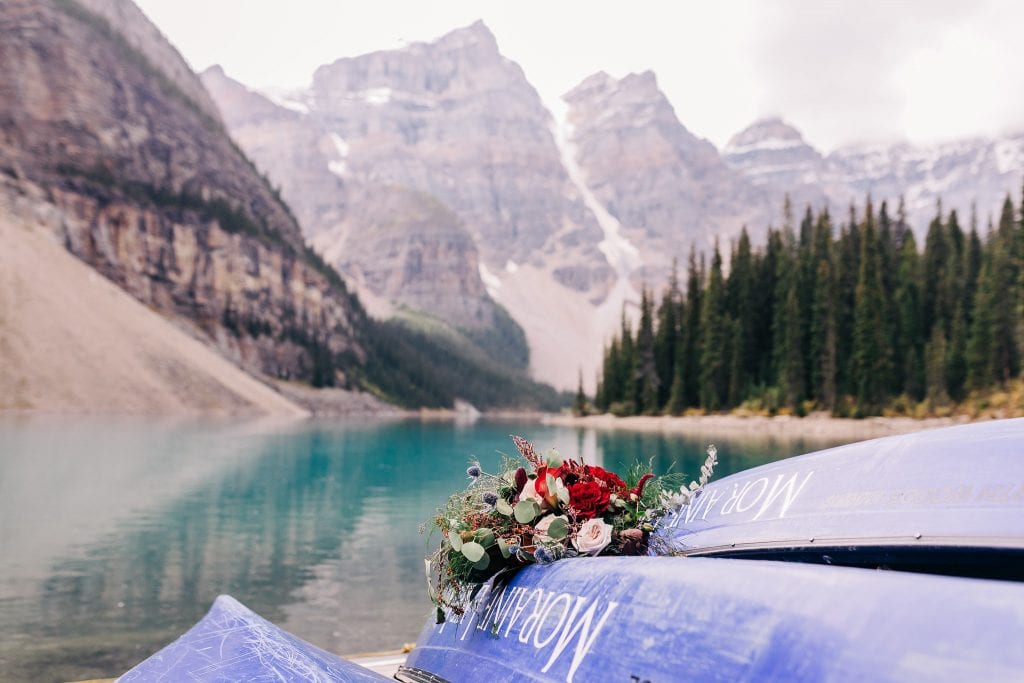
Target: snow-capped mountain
444,152
774,155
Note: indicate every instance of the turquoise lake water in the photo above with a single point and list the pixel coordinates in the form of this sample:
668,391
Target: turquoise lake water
116,536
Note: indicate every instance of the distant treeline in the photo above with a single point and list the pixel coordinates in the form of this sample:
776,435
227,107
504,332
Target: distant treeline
852,322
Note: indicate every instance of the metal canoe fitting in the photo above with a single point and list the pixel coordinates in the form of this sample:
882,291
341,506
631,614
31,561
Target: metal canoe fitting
944,501
231,644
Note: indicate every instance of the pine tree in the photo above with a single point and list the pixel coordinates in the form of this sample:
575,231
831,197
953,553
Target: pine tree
823,327
715,328
790,353
763,341
667,337
847,264
579,404
1005,275
910,339
740,306
935,262
646,370
956,356
870,361
787,328
979,355
807,268
935,368
689,364
627,369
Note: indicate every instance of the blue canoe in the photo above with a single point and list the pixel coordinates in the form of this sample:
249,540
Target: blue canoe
756,595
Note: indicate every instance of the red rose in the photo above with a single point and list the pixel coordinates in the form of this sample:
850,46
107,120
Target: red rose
609,478
588,499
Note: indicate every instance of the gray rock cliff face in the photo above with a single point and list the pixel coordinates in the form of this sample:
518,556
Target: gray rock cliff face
452,119
136,174
392,242
457,120
668,188
409,248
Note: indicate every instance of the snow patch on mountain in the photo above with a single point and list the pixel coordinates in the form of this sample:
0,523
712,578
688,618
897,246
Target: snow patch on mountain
622,255
491,281
1010,155
339,167
293,99
377,96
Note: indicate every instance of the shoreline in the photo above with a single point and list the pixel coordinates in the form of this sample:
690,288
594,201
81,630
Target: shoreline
782,427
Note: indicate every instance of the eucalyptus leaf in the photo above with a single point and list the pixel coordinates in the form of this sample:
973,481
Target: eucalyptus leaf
473,551
554,459
503,507
503,547
526,511
484,537
558,529
563,493
482,563
455,540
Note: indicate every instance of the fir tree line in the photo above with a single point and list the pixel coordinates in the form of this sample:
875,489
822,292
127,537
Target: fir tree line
853,321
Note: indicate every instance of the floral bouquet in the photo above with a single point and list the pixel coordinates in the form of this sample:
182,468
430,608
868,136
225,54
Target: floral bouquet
543,509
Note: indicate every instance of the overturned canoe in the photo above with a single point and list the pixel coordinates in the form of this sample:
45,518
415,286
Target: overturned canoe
677,618
231,644
944,501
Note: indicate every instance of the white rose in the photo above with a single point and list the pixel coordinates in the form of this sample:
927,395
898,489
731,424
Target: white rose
594,536
529,492
544,523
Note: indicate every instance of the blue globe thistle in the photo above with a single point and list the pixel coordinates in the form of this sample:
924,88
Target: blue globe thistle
513,549
473,471
491,498
543,555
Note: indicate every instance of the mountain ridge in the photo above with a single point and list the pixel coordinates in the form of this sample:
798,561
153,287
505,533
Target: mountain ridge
456,120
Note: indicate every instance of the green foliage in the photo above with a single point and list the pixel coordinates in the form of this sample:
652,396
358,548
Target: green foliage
418,364
579,403
504,341
856,323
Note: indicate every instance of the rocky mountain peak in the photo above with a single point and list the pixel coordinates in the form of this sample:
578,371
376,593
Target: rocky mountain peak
476,36
634,99
252,106
773,154
666,187
772,133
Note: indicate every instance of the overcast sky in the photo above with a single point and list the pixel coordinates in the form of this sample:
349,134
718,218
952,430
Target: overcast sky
841,72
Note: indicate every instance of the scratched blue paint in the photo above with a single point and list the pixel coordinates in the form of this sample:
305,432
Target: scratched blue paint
958,487
232,644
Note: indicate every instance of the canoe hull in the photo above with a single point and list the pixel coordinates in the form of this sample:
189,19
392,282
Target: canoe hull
662,619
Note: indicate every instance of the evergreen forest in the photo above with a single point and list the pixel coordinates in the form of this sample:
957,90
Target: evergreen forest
857,319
